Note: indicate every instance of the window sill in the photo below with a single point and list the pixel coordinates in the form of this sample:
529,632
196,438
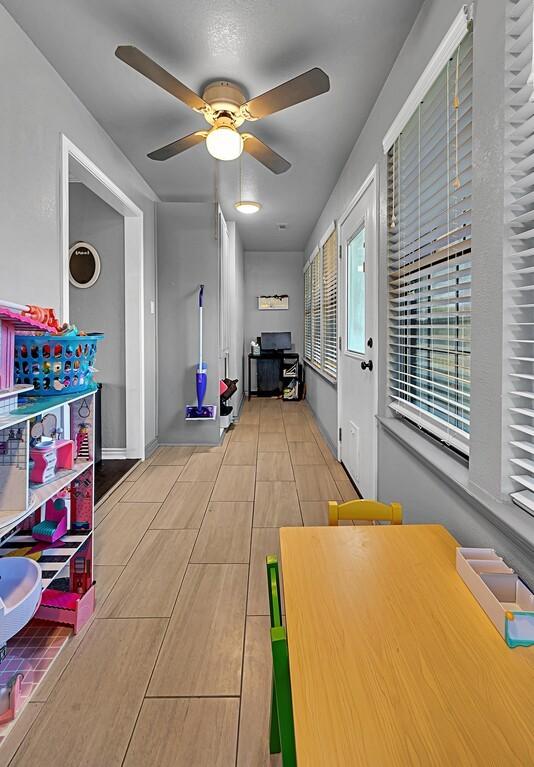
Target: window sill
320,372
515,523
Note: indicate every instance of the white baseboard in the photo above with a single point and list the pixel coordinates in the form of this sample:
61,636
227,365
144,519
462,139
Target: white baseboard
109,453
151,447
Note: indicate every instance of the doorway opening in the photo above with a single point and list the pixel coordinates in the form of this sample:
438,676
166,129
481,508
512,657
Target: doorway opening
94,207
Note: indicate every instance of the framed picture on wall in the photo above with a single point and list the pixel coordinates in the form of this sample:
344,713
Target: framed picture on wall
269,303
84,265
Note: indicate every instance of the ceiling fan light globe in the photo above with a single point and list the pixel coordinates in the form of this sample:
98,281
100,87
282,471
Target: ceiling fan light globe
224,143
248,207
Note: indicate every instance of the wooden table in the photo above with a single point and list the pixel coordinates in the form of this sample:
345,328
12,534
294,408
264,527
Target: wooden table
392,660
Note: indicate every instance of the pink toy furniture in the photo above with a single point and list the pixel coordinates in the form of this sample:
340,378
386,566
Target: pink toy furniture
73,607
67,607
14,693
82,501
49,459
54,525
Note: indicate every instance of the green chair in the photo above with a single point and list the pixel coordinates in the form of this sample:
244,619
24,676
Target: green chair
273,583
282,730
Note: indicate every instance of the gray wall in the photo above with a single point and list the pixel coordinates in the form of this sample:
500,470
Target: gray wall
322,396
38,106
101,307
429,498
268,273
237,310
471,501
187,257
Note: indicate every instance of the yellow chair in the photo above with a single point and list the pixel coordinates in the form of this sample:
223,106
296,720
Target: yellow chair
364,510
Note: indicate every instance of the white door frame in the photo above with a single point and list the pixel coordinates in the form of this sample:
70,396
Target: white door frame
342,297
75,164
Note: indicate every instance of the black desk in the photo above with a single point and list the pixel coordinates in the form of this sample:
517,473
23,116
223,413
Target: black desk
281,358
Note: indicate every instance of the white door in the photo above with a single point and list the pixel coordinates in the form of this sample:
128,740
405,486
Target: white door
358,330
224,297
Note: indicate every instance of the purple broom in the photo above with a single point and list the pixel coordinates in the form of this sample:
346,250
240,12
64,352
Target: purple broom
201,411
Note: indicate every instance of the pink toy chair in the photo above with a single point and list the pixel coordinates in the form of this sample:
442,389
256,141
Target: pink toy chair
54,526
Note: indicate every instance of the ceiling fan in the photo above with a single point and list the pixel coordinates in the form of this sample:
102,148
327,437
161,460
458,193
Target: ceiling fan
224,107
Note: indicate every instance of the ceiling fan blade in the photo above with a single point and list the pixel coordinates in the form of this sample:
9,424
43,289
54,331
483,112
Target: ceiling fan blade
147,67
301,88
176,147
264,154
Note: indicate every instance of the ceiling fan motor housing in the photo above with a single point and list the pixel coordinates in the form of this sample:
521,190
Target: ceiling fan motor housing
225,99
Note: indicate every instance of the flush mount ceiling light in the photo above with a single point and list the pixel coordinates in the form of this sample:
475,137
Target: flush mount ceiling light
248,207
223,141
225,107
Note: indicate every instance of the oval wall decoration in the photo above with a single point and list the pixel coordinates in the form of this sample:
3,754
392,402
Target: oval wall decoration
84,265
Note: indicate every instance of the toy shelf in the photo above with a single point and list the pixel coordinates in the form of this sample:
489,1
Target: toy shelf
41,493
15,390
52,522
36,406
54,557
19,497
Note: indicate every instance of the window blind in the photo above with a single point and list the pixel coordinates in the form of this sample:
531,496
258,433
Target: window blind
429,224
519,261
307,315
320,306
315,269
329,266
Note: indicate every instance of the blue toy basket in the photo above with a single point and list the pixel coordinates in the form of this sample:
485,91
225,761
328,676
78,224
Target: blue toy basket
56,364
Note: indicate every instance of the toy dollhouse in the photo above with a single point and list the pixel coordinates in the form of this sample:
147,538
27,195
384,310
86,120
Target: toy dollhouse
46,510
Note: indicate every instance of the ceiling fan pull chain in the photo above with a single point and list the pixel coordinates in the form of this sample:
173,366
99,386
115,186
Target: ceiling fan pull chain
216,198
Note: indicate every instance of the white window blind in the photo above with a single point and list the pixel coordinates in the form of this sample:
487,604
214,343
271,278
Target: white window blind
320,306
329,255
315,269
429,221
519,262
307,315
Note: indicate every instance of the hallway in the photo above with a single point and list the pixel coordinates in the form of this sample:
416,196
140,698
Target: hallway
174,668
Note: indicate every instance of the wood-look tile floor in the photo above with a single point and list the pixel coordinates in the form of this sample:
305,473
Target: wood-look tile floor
175,667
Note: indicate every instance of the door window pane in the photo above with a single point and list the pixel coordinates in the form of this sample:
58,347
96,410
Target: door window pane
356,293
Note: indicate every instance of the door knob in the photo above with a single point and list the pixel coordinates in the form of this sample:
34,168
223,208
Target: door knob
367,365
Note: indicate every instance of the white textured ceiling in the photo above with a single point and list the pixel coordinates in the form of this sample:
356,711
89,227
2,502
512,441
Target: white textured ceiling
256,43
